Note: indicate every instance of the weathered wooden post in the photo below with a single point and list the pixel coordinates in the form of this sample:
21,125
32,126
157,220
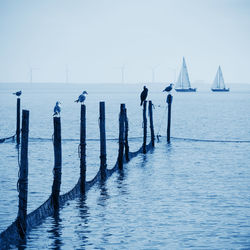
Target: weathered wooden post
23,178
121,136
150,110
144,145
57,162
18,120
83,149
103,155
169,102
126,136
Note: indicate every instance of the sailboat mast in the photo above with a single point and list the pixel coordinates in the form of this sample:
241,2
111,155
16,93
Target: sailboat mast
182,74
218,83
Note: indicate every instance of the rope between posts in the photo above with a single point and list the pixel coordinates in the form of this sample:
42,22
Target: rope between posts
77,140
210,140
140,137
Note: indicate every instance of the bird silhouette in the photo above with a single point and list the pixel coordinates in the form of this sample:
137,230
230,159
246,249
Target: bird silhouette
168,88
144,94
18,93
82,97
57,109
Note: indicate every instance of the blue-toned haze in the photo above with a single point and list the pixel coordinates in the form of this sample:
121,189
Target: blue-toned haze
93,39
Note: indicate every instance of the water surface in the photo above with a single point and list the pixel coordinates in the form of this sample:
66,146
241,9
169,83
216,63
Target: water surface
187,194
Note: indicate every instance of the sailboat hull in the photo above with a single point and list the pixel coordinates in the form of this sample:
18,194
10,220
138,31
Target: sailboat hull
186,90
219,84
220,90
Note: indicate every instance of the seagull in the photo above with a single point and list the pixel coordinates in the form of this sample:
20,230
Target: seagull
169,88
144,94
18,93
82,97
57,109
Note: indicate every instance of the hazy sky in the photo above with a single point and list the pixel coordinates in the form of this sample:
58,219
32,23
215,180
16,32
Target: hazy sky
95,38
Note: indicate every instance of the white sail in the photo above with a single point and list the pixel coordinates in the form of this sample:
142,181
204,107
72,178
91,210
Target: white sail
183,79
218,80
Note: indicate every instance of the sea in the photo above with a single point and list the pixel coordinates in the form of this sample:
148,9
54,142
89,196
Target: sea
191,193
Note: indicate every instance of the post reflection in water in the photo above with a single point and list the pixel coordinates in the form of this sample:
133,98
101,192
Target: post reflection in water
121,185
104,196
102,202
21,244
145,157
168,147
82,230
144,160
56,231
120,178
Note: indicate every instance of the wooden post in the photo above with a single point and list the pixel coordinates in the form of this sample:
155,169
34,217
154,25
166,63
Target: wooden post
169,102
58,162
126,136
150,110
23,178
144,148
83,149
121,136
103,156
18,121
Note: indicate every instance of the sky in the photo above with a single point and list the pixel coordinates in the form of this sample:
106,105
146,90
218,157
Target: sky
94,41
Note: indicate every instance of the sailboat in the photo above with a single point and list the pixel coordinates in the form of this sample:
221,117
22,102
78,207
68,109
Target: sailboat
183,83
218,84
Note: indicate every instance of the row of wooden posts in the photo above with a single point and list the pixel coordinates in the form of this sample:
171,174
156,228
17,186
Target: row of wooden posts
123,153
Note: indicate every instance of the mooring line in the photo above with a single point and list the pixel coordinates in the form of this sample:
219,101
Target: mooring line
210,140
140,137
135,138
73,139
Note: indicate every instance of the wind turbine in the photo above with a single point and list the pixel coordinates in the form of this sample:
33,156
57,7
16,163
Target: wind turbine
122,73
174,73
67,74
31,73
153,72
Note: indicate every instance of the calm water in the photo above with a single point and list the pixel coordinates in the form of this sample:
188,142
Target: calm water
188,194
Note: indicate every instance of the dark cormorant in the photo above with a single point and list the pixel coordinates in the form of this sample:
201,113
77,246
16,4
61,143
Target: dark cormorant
18,93
57,109
144,94
169,88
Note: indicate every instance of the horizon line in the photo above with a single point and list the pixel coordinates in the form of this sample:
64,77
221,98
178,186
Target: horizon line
139,82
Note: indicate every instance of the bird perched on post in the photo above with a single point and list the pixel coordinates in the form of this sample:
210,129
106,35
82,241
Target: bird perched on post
18,93
57,109
82,97
144,94
169,88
